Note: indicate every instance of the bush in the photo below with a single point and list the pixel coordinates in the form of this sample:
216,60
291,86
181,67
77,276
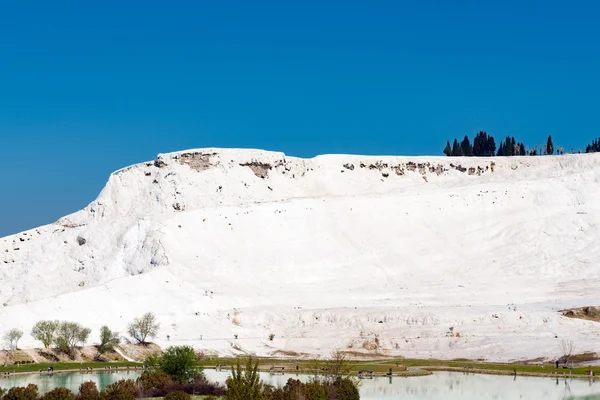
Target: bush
339,389
88,391
154,380
59,393
22,393
108,340
246,385
179,395
2,391
120,390
179,362
344,388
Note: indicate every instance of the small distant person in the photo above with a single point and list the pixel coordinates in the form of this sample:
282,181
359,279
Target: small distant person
168,337
556,363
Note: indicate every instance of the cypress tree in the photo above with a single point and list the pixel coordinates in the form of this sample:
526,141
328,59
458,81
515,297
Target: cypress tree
549,146
456,150
466,147
490,148
447,149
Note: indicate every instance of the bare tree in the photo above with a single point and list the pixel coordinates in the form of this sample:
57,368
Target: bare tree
12,339
567,348
44,331
144,327
339,365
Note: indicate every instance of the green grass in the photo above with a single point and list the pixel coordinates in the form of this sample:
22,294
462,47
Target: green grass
64,366
378,366
398,365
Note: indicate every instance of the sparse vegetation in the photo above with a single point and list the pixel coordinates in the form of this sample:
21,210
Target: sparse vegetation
108,340
144,327
246,384
44,331
68,334
567,348
12,338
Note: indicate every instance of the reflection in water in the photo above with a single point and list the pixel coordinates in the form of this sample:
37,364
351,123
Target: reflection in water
441,385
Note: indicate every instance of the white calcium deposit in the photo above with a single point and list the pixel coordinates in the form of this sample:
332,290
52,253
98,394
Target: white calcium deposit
401,256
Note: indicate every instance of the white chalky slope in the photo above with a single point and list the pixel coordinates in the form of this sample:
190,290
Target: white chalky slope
411,256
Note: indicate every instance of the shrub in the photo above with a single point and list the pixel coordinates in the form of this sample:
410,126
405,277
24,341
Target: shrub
108,340
345,389
2,391
59,393
179,395
154,380
22,393
339,389
246,385
88,391
120,390
271,337
179,362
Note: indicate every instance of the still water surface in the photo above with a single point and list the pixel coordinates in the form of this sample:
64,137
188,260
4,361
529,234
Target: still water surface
440,385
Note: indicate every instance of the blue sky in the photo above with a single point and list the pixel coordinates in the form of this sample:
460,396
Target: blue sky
89,87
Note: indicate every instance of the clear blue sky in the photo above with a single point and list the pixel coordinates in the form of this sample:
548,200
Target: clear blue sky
89,87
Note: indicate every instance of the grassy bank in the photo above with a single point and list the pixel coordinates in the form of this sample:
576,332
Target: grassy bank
411,367
65,366
399,367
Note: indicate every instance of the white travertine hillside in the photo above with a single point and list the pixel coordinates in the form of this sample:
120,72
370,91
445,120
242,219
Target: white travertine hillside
412,256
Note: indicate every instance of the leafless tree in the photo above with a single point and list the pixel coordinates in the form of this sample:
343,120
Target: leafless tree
567,348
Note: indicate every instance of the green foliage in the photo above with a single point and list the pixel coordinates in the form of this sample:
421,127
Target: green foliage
152,360
154,380
59,393
88,391
179,362
108,340
456,149
346,389
144,327
246,385
83,335
68,334
120,390
484,145
467,149
22,393
339,388
271,336
447,150
549,145
593,147
179,395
